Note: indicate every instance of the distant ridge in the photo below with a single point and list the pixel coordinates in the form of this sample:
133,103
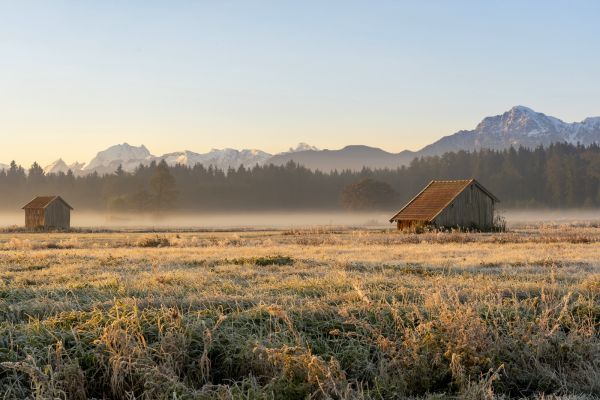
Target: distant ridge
350,157
519,126
130,157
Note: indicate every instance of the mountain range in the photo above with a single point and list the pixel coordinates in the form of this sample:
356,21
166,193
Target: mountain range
519,126
130,157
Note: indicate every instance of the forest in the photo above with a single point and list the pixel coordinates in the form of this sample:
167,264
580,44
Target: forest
558,176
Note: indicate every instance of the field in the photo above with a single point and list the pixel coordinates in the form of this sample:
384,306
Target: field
318,313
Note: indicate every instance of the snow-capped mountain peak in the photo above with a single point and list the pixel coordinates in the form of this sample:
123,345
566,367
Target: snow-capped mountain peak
302,147
218,158
522,109
520,120
56,167
593,122
123,154
60,165
185,157
519,126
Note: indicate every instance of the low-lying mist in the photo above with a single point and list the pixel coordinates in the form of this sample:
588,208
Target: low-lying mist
256,220
282,220
570,216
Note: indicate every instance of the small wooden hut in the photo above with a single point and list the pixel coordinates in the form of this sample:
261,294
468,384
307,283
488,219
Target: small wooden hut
464,204
48,212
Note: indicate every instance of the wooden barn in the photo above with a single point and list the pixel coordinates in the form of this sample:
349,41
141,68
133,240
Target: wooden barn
463,204
47,212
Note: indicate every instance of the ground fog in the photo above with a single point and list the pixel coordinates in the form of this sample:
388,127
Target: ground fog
283,220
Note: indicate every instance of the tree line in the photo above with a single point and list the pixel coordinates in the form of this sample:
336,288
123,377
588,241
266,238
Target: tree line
561,175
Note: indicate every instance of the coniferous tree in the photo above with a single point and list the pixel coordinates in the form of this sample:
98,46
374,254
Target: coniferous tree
560,175
36,173
141,199
163,186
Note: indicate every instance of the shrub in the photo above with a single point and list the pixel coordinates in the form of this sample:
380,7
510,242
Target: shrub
154,241
265,261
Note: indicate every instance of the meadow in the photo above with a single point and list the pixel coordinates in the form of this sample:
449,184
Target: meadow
317,313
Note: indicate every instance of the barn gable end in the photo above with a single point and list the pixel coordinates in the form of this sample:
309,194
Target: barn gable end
471,208
47,212
459,203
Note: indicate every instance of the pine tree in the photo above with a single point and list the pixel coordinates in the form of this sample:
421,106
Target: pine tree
36,174
120,171
164,192
141,199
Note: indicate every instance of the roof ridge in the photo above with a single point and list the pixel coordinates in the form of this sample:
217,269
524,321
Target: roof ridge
44,201
452,180
436,197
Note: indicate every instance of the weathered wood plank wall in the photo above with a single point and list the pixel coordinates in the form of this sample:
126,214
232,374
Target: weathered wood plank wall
34,218
471,208
57,216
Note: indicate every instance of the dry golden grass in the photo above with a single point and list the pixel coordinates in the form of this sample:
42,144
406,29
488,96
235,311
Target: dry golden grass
300,314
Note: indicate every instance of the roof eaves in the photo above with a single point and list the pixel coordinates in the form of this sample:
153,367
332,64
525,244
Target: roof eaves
63,200
28,204
480,186
49,201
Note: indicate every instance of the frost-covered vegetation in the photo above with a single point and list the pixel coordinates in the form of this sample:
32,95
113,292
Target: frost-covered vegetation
300,314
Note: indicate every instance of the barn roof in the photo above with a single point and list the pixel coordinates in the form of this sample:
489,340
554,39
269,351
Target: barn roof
44,201
436,196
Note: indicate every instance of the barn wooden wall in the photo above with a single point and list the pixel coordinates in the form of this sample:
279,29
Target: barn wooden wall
58,216
34,218
472,208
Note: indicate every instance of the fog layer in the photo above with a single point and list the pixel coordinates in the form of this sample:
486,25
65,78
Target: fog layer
282,220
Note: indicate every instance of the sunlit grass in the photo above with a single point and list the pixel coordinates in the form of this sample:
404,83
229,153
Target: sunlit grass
300,314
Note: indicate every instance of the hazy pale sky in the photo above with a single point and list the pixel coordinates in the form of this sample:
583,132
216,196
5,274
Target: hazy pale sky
79,76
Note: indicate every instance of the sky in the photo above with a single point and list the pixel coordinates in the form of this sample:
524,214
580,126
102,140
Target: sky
79,76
